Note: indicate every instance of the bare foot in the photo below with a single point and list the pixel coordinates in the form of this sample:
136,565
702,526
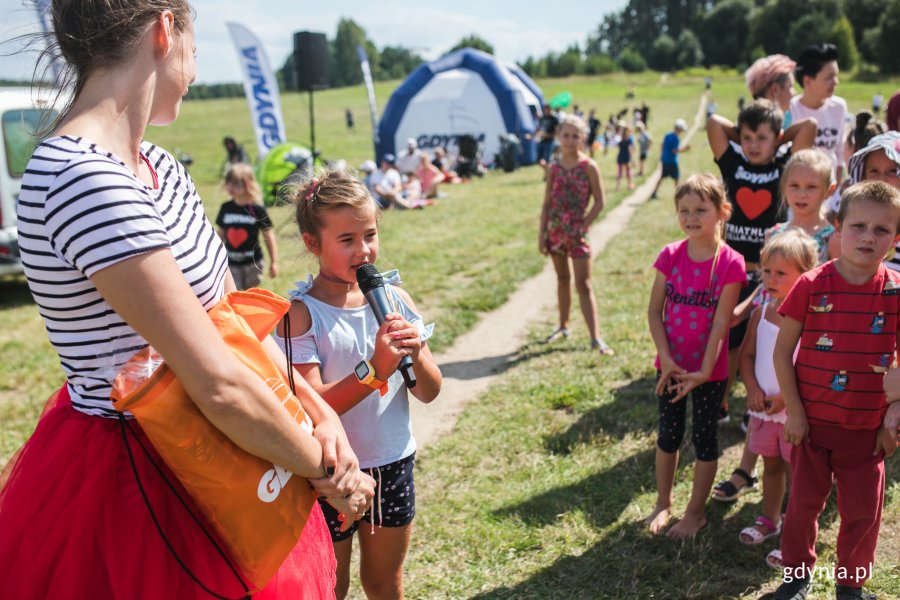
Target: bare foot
658,520
687,527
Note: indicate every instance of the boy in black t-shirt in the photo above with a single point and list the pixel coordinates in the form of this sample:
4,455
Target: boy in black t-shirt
239,223
751,156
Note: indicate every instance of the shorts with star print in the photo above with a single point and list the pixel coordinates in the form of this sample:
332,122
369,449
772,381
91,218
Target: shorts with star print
394,504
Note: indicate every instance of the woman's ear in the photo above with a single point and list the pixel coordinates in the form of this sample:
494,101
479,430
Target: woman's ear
164,33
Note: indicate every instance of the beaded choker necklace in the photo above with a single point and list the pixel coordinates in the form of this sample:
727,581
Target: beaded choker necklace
333,279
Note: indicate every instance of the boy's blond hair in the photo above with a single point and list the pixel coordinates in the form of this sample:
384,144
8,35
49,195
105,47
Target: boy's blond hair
876,192
812,158
795,245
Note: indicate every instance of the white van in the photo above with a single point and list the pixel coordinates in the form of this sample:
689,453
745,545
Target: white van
21,113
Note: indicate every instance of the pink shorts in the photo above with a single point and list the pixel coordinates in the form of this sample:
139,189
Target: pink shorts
767,439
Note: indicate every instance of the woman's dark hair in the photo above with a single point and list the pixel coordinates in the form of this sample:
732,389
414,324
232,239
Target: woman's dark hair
813,59
92,34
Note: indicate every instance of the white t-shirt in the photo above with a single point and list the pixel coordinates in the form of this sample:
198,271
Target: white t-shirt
831,119
378,427
408,162
386,180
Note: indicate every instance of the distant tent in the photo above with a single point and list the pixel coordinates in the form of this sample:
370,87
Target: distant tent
465,92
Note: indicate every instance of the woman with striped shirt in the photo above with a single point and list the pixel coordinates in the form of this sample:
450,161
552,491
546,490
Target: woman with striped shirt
118,255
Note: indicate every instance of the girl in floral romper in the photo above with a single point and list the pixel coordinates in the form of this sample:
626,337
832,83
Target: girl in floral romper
566,216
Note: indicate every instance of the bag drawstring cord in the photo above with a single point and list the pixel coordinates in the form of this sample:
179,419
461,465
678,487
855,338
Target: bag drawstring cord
126,428
377,501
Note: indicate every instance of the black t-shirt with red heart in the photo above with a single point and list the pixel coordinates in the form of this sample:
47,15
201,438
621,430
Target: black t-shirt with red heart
241,225
754,193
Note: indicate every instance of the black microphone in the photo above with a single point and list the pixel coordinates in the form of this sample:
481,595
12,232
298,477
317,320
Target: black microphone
372,285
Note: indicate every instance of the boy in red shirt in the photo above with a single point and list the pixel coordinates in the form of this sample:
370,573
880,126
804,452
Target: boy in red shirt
845,316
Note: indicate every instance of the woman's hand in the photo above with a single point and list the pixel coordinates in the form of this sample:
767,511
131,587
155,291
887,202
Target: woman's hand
796,428
390,348
342,472
354,505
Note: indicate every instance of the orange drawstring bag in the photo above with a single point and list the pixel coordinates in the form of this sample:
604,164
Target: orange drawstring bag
257,508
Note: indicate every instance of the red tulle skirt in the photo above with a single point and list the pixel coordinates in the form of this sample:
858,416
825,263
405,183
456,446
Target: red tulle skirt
73,524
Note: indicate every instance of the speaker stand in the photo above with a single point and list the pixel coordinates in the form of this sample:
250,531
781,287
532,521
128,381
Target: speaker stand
312,127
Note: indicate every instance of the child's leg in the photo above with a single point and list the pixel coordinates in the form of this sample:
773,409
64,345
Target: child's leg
705,400
381,560
342,552
773,487
811,482
668,441
628,176
586,299
694,518
385,531
618,174
860,485
563,288
666,463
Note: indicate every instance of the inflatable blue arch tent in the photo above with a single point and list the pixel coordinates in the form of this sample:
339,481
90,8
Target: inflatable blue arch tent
465,92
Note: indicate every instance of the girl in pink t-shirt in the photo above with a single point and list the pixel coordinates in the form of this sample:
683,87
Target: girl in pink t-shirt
694,294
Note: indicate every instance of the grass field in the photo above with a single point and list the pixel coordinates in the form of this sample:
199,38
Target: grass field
540,489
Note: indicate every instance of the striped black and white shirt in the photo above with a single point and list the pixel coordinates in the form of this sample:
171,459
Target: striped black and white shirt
80,210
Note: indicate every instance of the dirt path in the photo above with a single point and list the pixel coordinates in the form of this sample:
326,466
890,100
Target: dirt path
478,357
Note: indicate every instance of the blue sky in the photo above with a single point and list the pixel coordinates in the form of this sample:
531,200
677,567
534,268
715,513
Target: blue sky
516,30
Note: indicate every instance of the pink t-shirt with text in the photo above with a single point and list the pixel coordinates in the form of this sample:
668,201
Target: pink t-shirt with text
690,307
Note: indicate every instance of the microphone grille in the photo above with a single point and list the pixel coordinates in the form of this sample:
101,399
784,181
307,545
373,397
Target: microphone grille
368,277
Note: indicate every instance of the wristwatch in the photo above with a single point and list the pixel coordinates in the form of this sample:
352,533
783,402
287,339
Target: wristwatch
365,374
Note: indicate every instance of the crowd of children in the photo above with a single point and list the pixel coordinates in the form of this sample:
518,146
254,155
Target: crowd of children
786,276
807,312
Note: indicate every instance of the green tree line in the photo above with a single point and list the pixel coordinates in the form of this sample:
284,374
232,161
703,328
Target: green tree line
663,35
667,35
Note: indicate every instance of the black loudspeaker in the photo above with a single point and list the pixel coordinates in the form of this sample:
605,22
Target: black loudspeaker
311,60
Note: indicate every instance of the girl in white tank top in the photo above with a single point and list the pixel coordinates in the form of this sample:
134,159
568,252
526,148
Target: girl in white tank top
785,257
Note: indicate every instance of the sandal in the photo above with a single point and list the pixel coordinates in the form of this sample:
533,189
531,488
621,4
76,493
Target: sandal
773,559
729,491
557,335
603,347
752,536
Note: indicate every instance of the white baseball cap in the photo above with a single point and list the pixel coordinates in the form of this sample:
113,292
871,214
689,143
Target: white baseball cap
368,166
680,124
